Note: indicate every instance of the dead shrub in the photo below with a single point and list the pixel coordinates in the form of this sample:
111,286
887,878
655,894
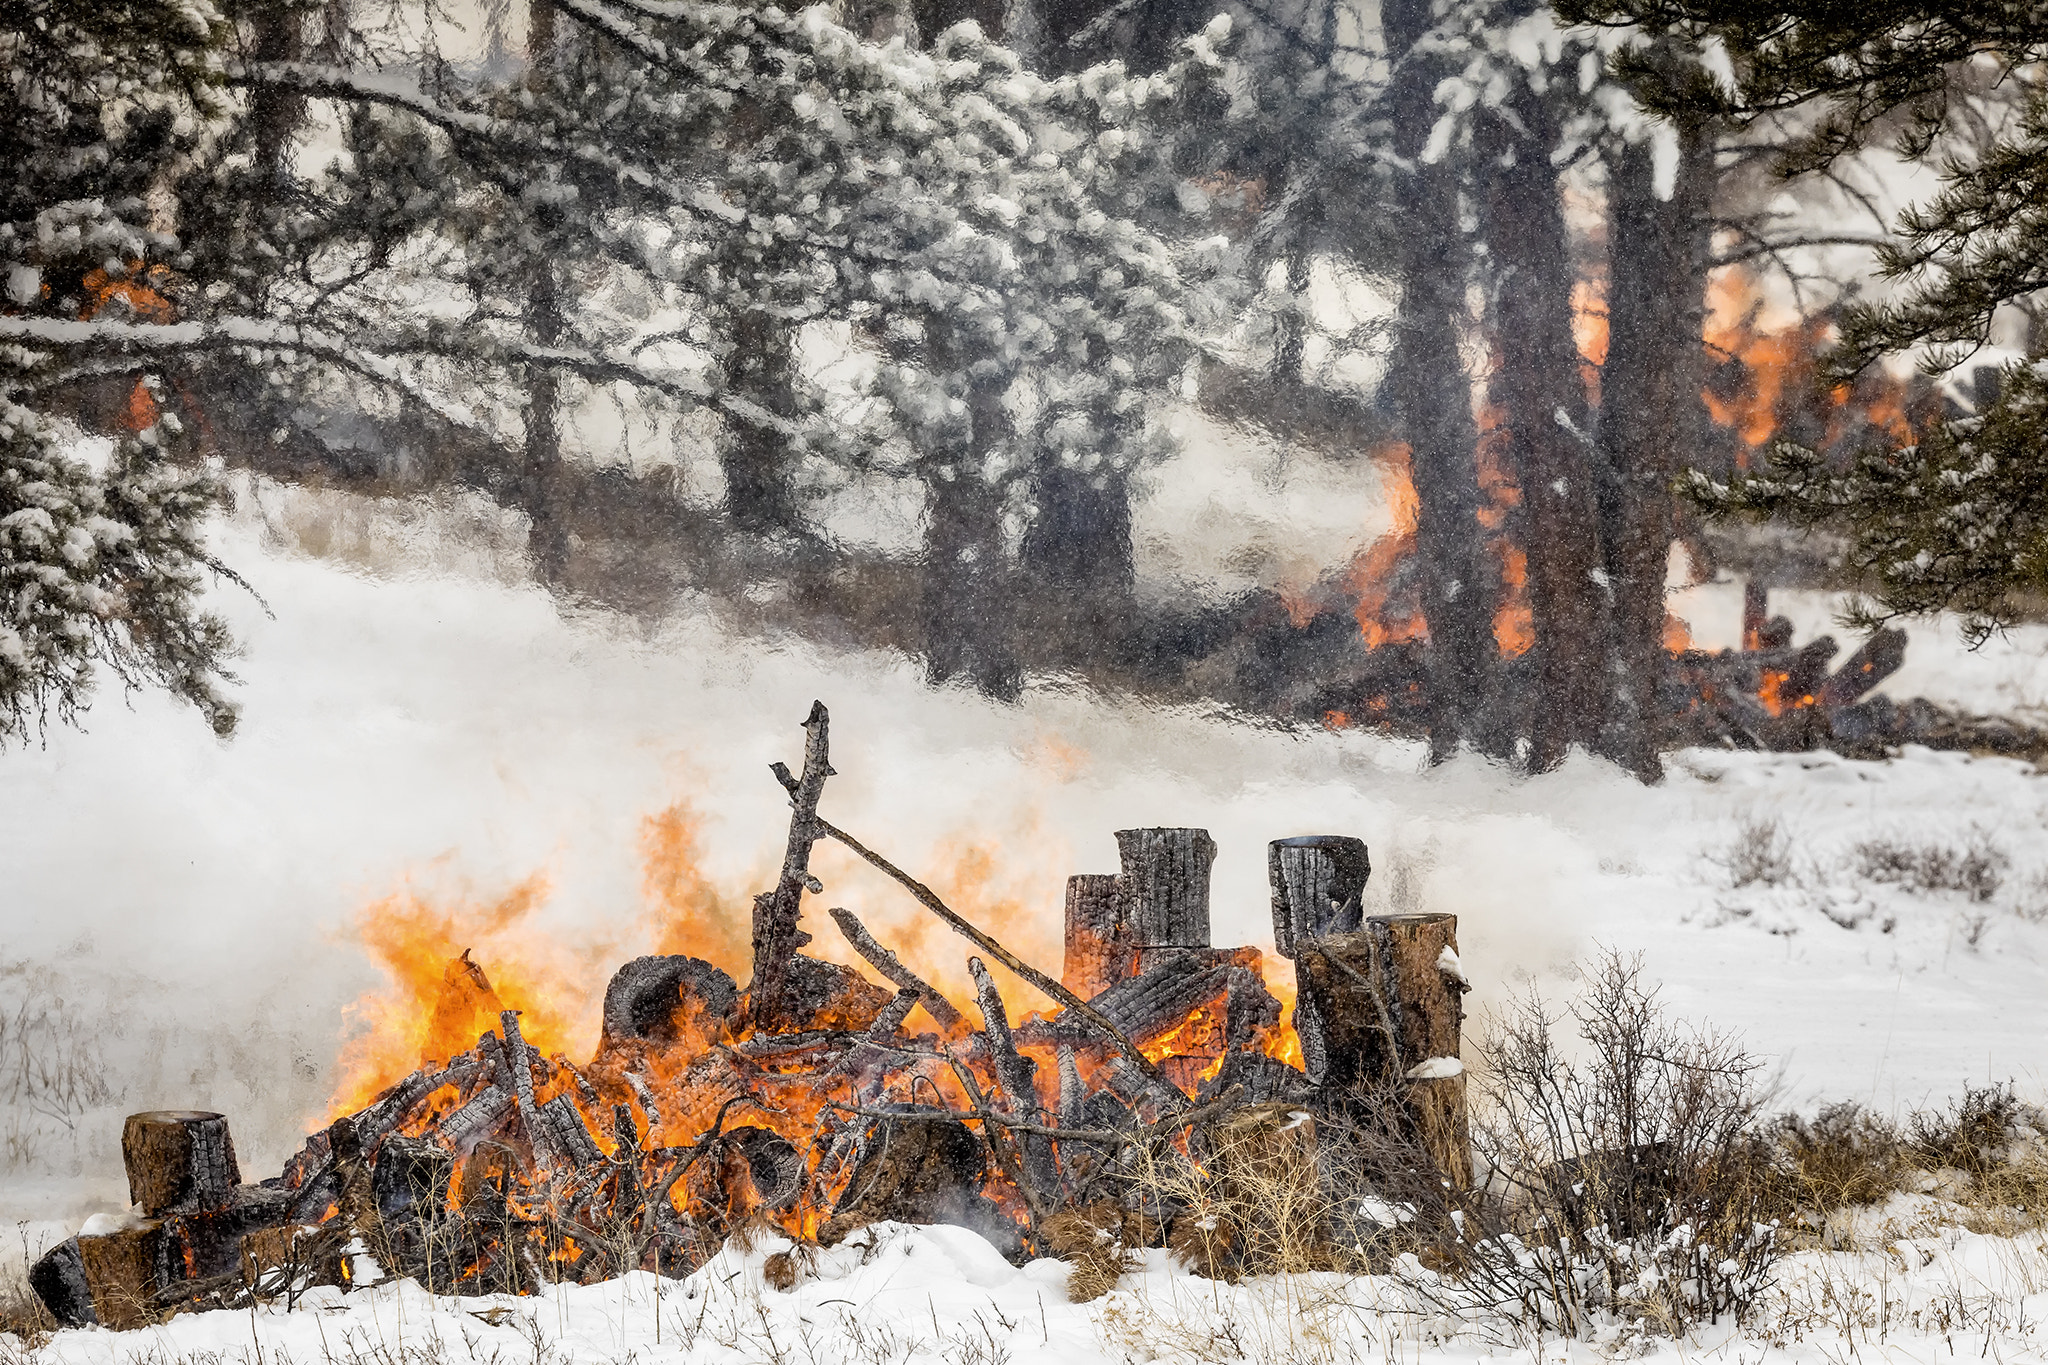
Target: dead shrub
1760,853
1976,868
1986,1131
1100,1240
1630,1187
1843,1156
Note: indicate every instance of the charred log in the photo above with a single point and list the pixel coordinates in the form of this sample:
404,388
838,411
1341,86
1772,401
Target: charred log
1318,887
1164,889
179,1161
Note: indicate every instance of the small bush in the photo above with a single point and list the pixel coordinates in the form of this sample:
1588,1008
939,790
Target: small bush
1759,855
1976,869
1979,1134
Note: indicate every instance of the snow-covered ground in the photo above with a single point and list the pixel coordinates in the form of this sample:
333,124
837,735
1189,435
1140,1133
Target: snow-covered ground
417,717
895,1295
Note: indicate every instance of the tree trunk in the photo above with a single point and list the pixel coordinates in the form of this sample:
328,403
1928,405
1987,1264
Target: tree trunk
964,599
540,482
1080,537
1429,391
1541,395
179,1161
1390,1002
1651,414
756,459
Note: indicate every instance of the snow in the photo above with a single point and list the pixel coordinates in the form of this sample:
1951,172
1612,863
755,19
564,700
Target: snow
898,1294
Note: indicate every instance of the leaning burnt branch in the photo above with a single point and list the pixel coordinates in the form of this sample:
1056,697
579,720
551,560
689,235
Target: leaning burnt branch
1080,1008
776,936
895,973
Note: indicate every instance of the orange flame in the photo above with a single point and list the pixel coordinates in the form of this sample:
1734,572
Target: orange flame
1371,577
441,999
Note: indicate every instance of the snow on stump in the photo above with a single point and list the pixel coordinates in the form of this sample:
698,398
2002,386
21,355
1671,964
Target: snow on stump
179,1161
1389,1003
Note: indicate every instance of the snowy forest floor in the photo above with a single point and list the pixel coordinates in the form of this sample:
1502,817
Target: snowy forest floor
181,933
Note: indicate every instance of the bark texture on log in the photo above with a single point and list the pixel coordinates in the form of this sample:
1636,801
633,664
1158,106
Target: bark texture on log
1098,943
1318,887
58,1279
179,1161
1164,888
124,1268
1390,1002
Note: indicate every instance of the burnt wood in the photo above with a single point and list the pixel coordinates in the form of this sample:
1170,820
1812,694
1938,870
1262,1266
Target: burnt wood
179,1161
1164,889
1318,887
776,937
1390,1004
58,1279
656,998
893,971
1098,943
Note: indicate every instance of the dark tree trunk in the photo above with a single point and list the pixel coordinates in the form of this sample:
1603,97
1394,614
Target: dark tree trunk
1081,535
540,480
965,603
1430,393
275,113
1541,393
1651,413
756,459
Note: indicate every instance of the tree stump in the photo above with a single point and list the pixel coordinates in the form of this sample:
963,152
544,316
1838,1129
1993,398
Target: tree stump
123,1260
1164,889
179,1161
1098,942
1318,887
1389,1001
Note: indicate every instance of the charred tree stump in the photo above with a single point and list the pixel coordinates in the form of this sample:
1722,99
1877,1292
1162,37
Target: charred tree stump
1318,887
1097,940
1389,1000
179,1161
1163,893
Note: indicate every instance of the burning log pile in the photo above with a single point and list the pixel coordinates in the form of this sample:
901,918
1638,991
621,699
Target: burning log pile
815,1100
1775,696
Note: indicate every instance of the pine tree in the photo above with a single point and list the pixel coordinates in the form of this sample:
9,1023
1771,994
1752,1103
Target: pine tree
102,564
1951,522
